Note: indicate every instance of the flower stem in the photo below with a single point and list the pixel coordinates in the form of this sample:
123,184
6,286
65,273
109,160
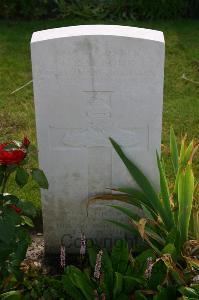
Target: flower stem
6,176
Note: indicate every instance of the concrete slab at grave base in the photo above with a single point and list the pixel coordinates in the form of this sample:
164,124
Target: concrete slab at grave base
92,82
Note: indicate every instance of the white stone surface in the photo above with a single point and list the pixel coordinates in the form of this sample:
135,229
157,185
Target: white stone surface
92,82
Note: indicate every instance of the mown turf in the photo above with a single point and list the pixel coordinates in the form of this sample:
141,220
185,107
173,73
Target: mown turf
181,97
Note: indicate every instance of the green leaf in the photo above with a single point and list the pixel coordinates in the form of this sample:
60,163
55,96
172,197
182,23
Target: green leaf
8,225
12,168
120,256
4,252
136,197
107,272
193,262
140,263
188,153
124,226
81,281
165,193
69,287
122,297
139,296
142,181
40,178
11,146
184,159
27,208
175,272
148,214
10,199
185,201
131,282
166,293
170,249
174,150
195,286
182,150
125,211
139,199
3,168
27,221
171,237
119,197
92,253
23,241
1,177
17,143
11,295
158,275
185,298
118,283
152,234
189,292
21,177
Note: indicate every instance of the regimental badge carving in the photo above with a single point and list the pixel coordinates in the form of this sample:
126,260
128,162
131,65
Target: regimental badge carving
99,127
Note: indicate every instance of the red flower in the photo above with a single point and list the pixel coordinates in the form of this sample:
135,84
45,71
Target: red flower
11,156
14,207
25,142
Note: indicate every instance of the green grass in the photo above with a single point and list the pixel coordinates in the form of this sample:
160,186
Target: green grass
181,98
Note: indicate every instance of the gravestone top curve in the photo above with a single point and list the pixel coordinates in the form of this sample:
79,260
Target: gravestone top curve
111,30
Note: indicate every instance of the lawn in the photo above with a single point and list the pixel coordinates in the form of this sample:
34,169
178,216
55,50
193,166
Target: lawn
181,97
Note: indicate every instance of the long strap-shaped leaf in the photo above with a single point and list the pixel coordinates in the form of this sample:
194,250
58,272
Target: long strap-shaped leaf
126,211
134,231
174,150
136,196
185,200
130,199
181,159
135,218
140,196
142,181
126,227
165,192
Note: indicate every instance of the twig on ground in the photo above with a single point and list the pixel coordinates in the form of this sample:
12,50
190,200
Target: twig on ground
21,87
190,80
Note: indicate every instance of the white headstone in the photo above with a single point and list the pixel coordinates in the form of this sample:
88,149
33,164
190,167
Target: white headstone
90,83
